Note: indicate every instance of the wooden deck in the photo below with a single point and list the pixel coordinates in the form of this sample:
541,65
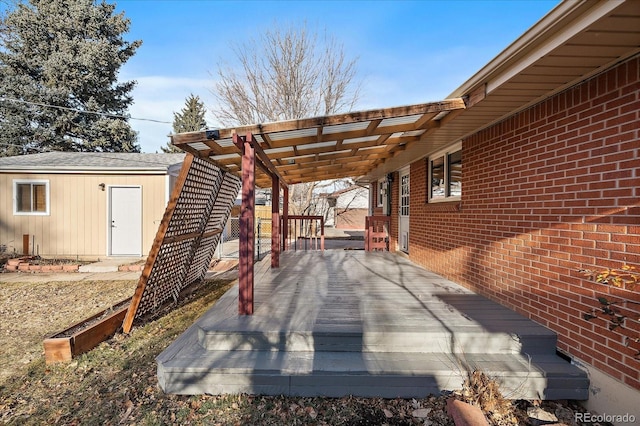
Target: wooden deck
371,324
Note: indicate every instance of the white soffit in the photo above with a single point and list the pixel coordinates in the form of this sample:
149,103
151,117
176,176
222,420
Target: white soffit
292,134
340,128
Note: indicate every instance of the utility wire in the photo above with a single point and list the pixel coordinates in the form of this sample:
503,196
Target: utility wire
101,155
81,111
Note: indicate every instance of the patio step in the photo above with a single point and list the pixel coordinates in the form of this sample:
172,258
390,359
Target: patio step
454,323
529,338
387,375
356,323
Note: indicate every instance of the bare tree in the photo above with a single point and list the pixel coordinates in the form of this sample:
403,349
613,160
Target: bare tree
287,73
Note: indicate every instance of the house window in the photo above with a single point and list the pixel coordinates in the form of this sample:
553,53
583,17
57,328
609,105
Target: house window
31,197
445,174
381,190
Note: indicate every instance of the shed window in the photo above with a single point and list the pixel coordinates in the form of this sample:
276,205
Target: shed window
445,174
31,197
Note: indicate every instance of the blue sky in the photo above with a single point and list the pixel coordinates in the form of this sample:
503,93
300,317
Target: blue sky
408,51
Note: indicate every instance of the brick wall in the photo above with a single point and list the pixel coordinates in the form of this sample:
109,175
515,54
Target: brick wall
547,192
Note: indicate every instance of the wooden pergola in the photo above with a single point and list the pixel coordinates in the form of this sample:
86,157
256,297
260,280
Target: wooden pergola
285,153
321,148
307,150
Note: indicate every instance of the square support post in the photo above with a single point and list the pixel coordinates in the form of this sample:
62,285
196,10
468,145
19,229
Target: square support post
247,223
285,218
275,222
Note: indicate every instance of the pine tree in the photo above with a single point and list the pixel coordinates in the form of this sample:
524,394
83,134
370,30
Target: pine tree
59,89
189,119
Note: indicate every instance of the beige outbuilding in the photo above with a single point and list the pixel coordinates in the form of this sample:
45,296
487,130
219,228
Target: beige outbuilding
84,205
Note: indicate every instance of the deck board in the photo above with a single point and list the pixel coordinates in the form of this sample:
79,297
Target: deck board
346,319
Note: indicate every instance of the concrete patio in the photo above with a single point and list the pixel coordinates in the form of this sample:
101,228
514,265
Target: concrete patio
349,322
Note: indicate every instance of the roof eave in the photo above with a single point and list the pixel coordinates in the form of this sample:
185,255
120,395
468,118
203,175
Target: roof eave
84,170
555,28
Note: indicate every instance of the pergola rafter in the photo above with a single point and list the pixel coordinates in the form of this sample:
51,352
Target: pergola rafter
322,148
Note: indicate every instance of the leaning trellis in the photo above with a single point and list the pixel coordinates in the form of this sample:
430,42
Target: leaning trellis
186,240
185,243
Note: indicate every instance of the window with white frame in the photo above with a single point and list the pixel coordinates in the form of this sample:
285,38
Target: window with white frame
445,174
30,197
381,191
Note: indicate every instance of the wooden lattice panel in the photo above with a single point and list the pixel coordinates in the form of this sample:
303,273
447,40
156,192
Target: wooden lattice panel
211,236
187,237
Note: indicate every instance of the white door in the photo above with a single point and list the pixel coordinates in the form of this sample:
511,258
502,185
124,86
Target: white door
403,216
125,221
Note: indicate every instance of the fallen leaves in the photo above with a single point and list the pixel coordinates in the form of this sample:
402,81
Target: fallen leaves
116,384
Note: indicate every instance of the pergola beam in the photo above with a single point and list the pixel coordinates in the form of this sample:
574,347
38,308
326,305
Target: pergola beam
373,136
376,114
266,162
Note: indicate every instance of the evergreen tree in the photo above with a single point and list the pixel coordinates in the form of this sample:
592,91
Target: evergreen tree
59,89
189,119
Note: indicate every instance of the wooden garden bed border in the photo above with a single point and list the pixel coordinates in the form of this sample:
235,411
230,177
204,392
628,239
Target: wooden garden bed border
60,348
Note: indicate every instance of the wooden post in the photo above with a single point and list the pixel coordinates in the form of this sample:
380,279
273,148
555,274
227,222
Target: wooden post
247,223
275,222
285,218
25,244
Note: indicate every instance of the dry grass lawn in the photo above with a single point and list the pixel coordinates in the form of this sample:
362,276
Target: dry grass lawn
116,382
31,311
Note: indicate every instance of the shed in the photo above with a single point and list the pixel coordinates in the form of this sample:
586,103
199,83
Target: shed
348,208
84,205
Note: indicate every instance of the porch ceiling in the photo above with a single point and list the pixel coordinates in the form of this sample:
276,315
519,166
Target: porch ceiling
329,147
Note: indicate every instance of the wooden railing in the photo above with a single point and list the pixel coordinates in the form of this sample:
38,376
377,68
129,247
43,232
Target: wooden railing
304,233
376,234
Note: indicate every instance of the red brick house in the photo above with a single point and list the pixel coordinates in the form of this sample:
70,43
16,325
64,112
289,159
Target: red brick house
528,174
549,188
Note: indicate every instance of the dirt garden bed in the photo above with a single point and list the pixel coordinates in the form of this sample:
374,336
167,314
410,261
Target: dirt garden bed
38,264
31,311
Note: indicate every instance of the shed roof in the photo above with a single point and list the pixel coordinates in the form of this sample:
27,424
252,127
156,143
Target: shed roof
573,42
78,162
